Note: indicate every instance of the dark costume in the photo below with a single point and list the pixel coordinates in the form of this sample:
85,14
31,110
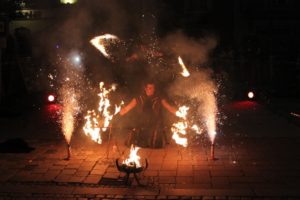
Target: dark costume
149,123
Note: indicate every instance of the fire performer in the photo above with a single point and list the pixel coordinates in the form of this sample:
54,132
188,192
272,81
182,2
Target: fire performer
149,127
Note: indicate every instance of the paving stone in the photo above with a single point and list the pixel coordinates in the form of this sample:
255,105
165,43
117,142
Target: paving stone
202,179
77,179
119,197
68,171
56,167
202,167
184,179
220,198
40,171
186,197
167,173
92,179
63,178
73,166
97,172
182,172
168,167
111,175
101,167
167,179
150,173
249,179
154,166
193,186
226,173
173,197
82,173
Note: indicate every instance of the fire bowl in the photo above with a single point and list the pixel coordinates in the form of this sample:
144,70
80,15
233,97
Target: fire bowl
131,168
128,169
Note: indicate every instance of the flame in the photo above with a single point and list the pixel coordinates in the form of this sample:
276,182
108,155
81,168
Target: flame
133,159
182,112
181,126
95,123
100,42
196,129
91,127
184,72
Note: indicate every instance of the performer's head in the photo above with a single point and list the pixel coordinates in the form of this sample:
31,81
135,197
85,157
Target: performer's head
149,88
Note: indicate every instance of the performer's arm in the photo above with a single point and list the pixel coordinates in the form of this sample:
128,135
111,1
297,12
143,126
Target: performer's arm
127,108
167,106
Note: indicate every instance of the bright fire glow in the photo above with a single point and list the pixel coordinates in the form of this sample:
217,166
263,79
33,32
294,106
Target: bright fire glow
100,121
91,127
184,72
177,129
101,41
51,98
250,95
134,159
182,112
196,129
180,127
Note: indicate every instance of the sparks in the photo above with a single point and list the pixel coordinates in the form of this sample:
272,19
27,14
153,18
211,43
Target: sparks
100,42
70,104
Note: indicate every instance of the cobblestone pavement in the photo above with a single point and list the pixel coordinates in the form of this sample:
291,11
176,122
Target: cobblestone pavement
257,157
245,167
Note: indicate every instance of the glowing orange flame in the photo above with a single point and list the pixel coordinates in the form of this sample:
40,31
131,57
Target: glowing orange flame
182,112
133,159
184,72
180,127
95,123
196,129
91,127
101,41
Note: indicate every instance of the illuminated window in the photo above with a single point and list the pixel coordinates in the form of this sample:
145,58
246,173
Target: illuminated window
68,1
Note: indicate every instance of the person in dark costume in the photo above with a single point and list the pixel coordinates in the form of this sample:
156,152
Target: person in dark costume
149,123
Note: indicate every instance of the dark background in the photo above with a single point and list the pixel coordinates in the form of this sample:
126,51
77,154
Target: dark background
257,40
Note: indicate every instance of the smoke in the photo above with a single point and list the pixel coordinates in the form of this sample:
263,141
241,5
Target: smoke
135,23
200,85
194,51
